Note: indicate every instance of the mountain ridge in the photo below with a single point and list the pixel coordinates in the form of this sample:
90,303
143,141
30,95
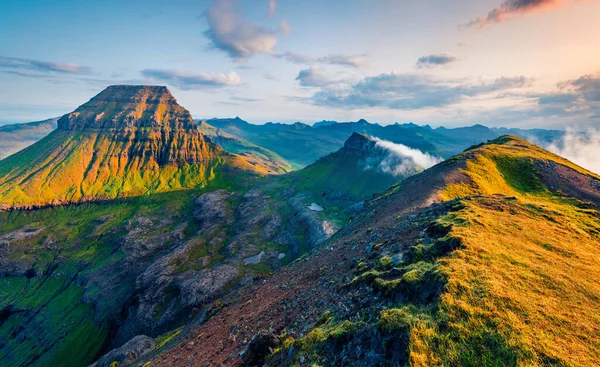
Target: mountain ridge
449,267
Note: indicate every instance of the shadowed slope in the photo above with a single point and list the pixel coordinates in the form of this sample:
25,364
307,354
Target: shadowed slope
126,141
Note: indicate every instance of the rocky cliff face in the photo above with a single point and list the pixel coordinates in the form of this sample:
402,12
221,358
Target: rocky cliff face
126,141
147,119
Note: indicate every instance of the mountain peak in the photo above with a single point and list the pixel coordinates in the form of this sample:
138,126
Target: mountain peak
358,143
128,106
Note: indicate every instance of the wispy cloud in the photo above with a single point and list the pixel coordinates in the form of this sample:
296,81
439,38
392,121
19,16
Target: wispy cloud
20,64
404,91
355,61
285,28
272,7
352,61
246,99
294,57
240,38
431,61
189,80
511,8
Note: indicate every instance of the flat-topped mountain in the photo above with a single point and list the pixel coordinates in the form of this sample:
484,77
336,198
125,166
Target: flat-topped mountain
126,141
129,106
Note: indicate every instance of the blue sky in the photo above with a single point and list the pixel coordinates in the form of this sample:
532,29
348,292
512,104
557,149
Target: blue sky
520,63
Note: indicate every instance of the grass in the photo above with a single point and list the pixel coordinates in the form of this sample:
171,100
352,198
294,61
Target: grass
162,340
69,245
68,166
522,287
509,276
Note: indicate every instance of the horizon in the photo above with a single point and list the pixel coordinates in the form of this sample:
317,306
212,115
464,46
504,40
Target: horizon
499,63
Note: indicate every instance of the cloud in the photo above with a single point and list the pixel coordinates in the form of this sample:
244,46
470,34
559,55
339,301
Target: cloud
229,32
580,148
577,96
400,160
14,63
313,77
511,8
285,28
355,61
407,91
294,57
435,60
587,87
188,80
247,99
272,7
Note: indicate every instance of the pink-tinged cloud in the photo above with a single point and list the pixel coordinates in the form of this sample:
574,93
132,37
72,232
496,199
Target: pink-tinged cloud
511,8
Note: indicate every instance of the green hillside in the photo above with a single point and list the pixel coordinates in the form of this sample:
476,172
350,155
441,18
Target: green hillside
251,152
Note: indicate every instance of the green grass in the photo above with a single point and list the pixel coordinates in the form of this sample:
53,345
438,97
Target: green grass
519,268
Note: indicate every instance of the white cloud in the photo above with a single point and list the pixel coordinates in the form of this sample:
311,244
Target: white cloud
402,160
229,32
188,80
580,148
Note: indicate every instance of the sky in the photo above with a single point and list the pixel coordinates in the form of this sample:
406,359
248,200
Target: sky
513,63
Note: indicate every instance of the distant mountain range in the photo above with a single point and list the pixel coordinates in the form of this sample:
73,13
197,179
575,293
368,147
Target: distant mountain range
284,147
301,144
15,137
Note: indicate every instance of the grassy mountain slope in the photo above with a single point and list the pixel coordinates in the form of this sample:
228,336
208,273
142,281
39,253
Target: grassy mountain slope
15,137
126,141
347,176
487,259
251,152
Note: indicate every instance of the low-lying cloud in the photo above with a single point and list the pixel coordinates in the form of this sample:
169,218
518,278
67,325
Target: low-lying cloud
189,80
435,60
581,148
400,160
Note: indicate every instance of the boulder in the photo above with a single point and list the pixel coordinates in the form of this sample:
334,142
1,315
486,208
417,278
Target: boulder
261,346
128,353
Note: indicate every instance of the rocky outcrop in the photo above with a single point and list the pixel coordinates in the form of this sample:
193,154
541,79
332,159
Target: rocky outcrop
128,353
261,345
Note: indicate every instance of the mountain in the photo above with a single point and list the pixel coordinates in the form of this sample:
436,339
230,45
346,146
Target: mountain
352,174
324,123
15,137
486,259
302,144
126,141
251,152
